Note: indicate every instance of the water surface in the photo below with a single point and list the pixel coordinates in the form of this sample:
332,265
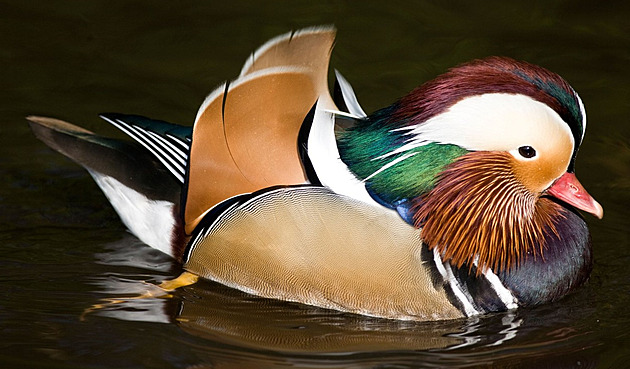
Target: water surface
62,248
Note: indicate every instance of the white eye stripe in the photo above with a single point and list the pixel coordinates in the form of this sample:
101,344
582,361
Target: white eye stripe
583,111
493,122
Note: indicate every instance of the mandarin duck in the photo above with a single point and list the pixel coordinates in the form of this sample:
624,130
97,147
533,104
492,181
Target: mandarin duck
458,199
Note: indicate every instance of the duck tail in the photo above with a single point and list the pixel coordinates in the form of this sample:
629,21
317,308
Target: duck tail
143,191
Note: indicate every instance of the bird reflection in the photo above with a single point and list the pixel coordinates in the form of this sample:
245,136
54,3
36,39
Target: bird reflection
215,312
232,329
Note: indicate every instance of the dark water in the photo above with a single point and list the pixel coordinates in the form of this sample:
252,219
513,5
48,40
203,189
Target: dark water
62,248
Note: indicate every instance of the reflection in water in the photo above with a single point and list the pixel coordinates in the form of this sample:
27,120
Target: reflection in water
210,325
241,324
512,324
238,330
471,336
260,324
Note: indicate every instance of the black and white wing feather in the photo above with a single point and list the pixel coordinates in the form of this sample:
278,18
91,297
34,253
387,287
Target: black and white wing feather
169,143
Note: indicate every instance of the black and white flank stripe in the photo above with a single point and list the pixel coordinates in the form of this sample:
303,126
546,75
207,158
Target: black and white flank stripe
474,295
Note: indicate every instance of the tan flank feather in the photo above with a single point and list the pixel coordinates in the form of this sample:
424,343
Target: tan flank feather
316,247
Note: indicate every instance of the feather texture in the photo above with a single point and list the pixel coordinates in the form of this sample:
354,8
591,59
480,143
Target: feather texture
144,194
246,139
479,214
493,75
169,143
435,207
308,244
245,134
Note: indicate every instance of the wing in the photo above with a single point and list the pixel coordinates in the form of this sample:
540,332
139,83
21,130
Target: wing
125,161
308,49
169,143
143,193
246,132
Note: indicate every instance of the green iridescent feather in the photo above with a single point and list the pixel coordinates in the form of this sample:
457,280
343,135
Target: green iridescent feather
416,174
361,146
564,97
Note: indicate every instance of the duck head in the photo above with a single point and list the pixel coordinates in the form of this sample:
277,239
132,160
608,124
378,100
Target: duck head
478,158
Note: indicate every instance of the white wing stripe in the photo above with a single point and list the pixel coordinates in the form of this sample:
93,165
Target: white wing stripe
177,154
141,138
157,151
183,143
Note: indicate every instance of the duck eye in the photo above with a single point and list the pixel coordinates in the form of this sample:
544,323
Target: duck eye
527,151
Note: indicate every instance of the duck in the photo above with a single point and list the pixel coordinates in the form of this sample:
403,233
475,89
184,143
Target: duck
459,199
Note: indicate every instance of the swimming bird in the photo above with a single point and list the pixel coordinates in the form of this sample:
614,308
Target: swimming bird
458,199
